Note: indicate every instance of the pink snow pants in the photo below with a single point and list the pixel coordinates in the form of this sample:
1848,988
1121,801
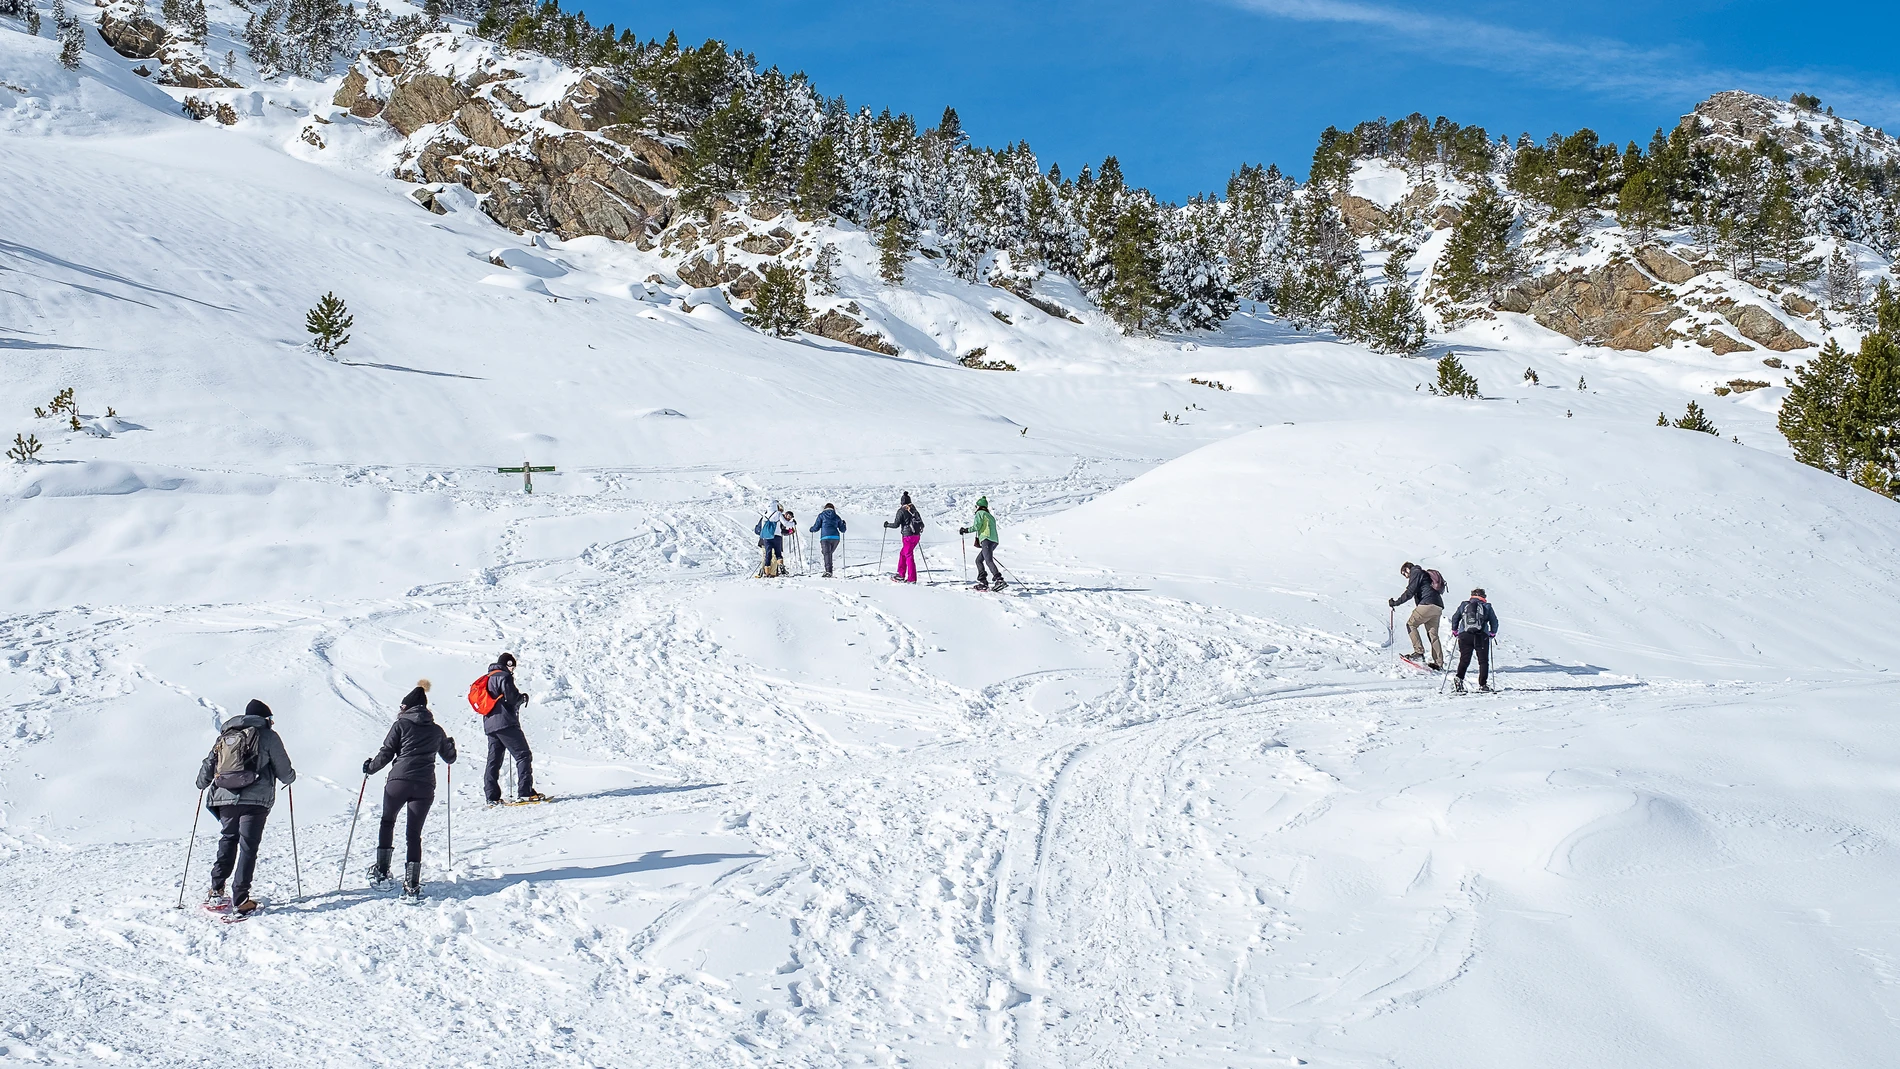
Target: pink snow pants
907,558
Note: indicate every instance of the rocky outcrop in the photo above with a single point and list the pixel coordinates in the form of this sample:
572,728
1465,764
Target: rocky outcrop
1721,344
839,325
134,36
770,243
427,198
183,68
480,123
354,95
422,99
1665,265
704,271
590,105
1615,305
1051,308
649,158
571,184
1362,216
1760,326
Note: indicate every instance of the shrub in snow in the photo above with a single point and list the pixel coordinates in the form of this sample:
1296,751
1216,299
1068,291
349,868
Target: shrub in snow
895,241
72,37
329,324
1453,379
25,450
824,271
778,304
1694,419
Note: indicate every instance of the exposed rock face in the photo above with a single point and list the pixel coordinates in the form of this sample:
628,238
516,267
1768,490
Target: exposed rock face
1615,305
479,121
839,326
1051,308
704,272
1760,326
590,105
183,68
1362,216
134,37
571,184
650,158
1797,304
1735,114
421,99
1721,344
1665,265
770,243
426,197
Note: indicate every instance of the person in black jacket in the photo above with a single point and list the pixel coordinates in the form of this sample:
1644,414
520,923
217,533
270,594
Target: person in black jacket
1475,624
503,728
414,741
1427,610
910,524
243,805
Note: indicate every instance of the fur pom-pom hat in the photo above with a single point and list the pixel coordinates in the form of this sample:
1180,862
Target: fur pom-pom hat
418,696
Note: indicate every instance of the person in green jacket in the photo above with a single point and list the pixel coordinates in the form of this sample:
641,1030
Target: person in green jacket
988,575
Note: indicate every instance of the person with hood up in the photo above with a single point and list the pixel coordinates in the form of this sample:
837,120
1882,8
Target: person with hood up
772,541
242,771
829,527
502,725
414,741
984,527
1475,624
1427,610
909,524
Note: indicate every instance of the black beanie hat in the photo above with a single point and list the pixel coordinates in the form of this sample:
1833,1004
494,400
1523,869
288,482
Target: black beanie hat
506,660
906,497
418,696
257,708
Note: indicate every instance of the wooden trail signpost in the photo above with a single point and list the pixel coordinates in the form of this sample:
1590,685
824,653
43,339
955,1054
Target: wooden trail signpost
526,471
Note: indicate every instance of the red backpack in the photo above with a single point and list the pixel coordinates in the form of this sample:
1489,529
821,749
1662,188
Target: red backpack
479,698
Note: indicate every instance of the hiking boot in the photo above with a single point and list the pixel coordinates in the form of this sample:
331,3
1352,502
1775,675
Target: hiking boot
999,585
1457,686
980,586
1436,667
1484,688
412,878
217,899
533,796
379,872
244,907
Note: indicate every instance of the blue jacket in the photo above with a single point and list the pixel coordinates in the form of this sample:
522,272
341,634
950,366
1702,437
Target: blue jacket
830,526
1475,615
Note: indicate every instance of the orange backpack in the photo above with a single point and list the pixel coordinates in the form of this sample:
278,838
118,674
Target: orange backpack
478,696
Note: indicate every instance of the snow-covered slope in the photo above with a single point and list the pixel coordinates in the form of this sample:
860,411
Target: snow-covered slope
1175,804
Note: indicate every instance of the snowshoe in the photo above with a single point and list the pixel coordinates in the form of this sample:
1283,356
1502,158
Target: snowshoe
1457,686
412,881
241,911
999,585
979,586
216,901
530,799
378,873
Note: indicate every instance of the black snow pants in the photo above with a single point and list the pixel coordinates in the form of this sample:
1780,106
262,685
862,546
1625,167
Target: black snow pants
516,744
241,829
1470,642
830,546
986,562
399,795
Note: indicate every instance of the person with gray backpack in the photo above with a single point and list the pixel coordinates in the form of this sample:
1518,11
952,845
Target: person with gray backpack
1475,624
242,772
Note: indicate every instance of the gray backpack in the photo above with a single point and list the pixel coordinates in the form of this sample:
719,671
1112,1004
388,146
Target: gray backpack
235,753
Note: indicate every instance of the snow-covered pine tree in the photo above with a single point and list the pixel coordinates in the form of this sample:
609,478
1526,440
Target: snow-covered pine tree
719,154
1846,291
824,271
820,180
778,304
1257,229
329,325
72,36
1193,267
1642,205
1322,267
265,39
1694,419
1134,297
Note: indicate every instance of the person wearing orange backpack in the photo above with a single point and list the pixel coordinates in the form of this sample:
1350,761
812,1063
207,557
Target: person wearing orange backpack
502,725
1424,587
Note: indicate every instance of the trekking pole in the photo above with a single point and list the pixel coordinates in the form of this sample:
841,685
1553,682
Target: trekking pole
185,877
296,863
448,816
881,539
1391,618
964,545
354,813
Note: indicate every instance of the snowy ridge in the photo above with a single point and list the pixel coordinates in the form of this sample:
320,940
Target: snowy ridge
1168,801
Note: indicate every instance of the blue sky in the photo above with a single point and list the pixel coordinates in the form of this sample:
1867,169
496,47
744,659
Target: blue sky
1184,91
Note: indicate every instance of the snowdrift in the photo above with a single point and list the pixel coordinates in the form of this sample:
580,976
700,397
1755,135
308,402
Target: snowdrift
1653,550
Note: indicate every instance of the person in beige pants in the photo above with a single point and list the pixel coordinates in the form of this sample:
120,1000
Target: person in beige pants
1428,609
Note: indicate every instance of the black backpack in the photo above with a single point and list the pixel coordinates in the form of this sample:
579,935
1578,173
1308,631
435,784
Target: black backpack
235,753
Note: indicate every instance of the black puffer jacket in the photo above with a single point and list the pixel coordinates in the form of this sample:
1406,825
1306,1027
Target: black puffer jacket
413,742
909,521
508,700
1419,588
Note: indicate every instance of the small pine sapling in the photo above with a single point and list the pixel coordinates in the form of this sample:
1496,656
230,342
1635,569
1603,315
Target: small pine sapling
63,401
1694,419
1530,376
1453,379
329,324
26,450
778,305
75,424
1580,383
1662,419
1876,478
72,36
32,20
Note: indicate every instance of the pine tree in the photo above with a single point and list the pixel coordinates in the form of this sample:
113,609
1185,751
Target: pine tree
778,304
1394,321
895,242
820,180
1662,419
329,324
720,154
1193,270
824,271
1134,298
1693,419
1479,262
1642,205
1453,379
1846,291
72,37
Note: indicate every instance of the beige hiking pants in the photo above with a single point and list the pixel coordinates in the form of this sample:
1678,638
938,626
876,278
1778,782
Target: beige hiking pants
1425,617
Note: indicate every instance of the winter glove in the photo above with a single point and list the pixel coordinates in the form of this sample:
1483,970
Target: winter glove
1392,603
963,530
367,761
